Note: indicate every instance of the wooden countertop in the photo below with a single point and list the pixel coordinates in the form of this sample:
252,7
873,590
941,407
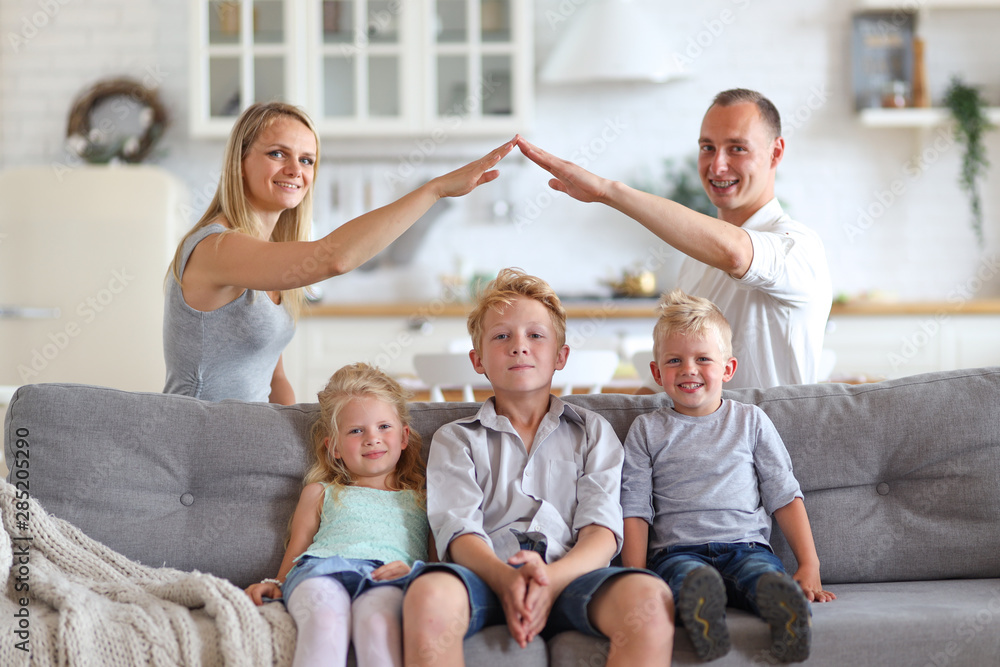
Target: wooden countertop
609,308
643,308
965,307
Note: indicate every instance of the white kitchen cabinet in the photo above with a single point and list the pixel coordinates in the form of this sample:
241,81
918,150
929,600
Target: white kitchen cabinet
322,345
366,67
242,51
893,346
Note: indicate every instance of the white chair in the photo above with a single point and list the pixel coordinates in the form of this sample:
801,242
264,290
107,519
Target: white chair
448,369
641,361
587,368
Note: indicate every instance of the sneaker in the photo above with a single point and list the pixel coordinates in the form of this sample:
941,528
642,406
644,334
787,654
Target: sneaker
701,604
785,608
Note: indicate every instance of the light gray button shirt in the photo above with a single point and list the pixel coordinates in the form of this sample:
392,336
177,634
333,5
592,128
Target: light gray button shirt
482,480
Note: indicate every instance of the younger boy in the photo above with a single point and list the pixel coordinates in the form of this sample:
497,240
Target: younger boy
699,482
523,500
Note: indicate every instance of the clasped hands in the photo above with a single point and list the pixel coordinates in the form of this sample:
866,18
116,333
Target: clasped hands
527,595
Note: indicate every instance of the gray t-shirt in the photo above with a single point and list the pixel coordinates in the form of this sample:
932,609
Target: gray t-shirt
706,479
230,352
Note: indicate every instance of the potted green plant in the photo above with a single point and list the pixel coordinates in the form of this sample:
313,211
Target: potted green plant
968,109
680,183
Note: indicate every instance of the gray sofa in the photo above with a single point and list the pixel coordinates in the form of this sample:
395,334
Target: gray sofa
901,481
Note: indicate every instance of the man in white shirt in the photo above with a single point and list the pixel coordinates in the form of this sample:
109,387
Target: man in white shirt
765,271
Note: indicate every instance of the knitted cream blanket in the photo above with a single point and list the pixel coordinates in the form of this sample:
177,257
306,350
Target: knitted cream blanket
70,600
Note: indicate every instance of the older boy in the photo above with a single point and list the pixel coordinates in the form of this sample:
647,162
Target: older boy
523,500
705,474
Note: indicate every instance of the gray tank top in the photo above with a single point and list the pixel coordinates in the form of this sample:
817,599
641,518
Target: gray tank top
229,352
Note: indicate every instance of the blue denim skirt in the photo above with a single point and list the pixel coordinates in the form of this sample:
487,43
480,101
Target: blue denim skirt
353,573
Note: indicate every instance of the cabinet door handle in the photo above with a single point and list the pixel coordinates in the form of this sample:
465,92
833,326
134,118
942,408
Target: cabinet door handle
26,313
420,324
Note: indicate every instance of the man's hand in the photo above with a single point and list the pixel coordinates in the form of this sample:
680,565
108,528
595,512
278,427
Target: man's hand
570,178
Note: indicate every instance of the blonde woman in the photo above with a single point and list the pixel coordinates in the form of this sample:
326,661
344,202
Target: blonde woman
231,302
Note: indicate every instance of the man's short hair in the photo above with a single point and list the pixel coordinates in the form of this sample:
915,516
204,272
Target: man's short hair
688,315
768,112
501,292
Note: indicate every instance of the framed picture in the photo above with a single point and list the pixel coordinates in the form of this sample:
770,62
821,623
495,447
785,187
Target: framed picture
882,58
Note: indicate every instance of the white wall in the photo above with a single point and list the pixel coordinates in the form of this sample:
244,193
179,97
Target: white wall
917,246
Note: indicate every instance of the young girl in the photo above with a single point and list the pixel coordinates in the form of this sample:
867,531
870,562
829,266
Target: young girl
360,528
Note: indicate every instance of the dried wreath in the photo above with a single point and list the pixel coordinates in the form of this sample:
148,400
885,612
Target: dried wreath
108,141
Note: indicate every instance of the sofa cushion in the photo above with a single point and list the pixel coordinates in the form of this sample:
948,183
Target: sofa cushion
925,623
166,480
901,478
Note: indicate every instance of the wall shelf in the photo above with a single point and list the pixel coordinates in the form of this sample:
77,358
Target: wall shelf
928,4
914,118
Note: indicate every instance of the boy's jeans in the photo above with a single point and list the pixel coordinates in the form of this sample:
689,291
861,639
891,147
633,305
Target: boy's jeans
741,564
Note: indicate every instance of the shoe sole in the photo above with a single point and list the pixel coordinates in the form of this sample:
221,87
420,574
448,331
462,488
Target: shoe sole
702,607
786,610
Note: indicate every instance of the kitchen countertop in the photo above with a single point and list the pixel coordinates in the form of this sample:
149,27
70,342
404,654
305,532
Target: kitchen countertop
604,309
643,308
963,307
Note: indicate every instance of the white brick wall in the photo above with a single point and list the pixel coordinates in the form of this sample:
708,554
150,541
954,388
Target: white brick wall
920,247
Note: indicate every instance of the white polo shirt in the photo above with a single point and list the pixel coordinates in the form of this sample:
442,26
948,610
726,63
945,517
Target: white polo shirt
778,310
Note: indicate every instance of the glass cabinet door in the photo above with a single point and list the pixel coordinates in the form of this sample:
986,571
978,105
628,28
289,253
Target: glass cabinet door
243,55
364,67
361,62
474,61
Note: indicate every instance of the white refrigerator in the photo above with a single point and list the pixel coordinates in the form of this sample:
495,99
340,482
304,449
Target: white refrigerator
83,255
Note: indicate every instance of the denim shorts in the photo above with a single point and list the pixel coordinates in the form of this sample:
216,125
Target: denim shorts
741,564
569,611
352,573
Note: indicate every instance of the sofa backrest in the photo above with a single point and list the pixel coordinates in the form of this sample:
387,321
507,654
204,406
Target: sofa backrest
901,478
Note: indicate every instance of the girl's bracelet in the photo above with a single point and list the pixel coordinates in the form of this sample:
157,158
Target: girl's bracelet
271,581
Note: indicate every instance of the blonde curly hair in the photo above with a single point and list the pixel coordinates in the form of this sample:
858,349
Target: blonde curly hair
360,380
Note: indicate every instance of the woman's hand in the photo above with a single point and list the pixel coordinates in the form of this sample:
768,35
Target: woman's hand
258,592
393,570
464,180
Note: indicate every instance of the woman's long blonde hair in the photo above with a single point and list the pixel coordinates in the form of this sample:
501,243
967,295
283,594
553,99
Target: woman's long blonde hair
230,200
361,381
